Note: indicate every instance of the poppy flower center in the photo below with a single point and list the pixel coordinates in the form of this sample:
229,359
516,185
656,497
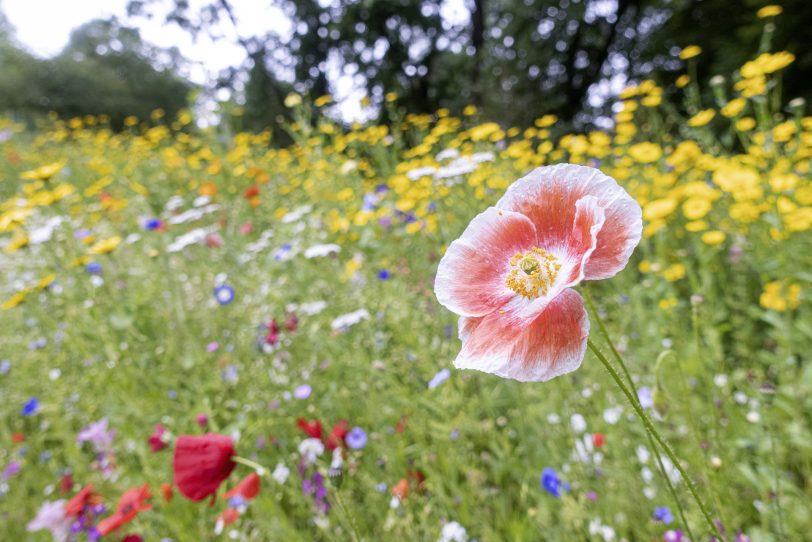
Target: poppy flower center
532,273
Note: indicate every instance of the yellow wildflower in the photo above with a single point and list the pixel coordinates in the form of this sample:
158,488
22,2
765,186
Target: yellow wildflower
701,118
106,246
769,11
690,52
645,153
713,237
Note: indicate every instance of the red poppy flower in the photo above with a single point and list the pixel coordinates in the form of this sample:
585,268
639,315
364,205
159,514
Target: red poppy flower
598,440
201,463
131,503
338,434
251,192
17,437
77,504
248,488
66,484
312,428
156,442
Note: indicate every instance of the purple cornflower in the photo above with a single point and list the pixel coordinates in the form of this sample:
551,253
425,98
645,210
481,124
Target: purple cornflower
224,294
303,391
356,438
315,486
98,434
439,378
384,274
229,374
663,513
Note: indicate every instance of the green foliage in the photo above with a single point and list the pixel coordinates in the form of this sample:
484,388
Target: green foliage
106,69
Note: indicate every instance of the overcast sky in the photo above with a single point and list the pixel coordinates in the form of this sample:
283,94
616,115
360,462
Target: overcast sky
44,27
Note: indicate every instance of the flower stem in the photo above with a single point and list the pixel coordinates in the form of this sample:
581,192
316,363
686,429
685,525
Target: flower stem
633,389
354,528
248,463
651,429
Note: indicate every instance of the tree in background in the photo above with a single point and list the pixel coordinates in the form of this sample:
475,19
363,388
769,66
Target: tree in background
514,59
106,69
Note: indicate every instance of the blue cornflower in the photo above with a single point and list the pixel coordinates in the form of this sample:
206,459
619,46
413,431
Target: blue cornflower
153,224
224,294
282,252
356,438
552,483
384,274
237,501
230,374
93,268
663,513
439,378
30,407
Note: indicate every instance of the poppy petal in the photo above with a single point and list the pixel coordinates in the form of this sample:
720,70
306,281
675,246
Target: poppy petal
248,488
471,274
201,463
552,345
548,197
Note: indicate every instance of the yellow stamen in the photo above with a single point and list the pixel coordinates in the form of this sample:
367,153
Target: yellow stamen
532,273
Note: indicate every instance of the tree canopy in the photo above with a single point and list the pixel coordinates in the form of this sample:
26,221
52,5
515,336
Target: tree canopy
106,69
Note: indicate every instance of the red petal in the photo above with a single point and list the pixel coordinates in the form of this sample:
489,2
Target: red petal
201,463
248,488
312,428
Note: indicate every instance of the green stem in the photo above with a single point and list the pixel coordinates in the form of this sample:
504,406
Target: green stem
650,427
652,445
253,464
355,536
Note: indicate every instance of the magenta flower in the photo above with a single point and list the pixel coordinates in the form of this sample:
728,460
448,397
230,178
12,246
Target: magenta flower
510,275
98,434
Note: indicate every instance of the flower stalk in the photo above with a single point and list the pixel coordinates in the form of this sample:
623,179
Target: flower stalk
654,433
652,445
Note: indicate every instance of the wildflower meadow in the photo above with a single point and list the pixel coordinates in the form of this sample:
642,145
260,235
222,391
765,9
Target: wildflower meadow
439,328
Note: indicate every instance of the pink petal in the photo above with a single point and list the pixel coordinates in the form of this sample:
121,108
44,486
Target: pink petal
548,197
552,345
583,239
470,277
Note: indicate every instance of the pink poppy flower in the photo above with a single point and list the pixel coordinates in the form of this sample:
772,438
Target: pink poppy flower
509,276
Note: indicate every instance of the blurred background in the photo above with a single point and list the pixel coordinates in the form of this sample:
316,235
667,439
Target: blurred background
236,61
